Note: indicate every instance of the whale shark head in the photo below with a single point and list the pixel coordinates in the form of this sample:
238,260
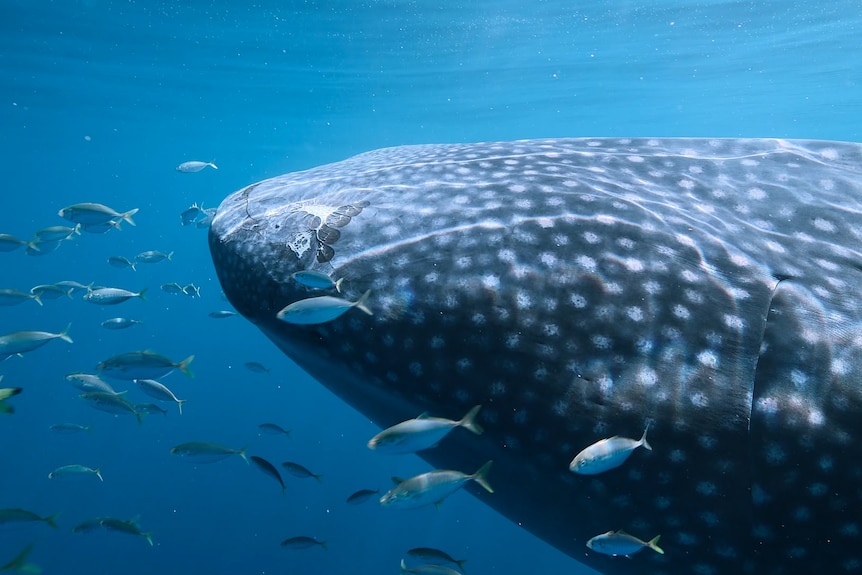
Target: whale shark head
579,289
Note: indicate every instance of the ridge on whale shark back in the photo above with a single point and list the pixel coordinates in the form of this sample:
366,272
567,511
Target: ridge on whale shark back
579,289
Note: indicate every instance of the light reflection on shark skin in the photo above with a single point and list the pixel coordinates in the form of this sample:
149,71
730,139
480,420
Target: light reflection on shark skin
584,288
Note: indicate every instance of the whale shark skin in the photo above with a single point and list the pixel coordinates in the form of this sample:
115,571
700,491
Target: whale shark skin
579,289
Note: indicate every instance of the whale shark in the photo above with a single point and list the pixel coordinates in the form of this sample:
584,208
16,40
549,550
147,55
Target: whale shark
581,289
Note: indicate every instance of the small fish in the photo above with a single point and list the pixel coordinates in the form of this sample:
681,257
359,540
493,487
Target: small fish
121,262
302,542
195,166
19,564
421,433
209,214
222,314
172,288
150,408
192,214
205,452
435,556
126,526
112,296
89,382
88,525
192,290
103,227
24,516
142,365
94,214
273,429
616,543
159,391
256,367
428,570
316,280
50,291
432,487
119,323
6,393
321,309
19,342
73,286
55,233
269,469
69,428
9,243
111,403
10,297
362,496
606,454
298,470
75,471
42,247
153,257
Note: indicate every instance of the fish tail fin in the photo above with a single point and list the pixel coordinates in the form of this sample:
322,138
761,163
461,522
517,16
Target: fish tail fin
643,440
77,230
170,255
133,265
141,294
184,366
338,285
37,298
128,216
481,477
19,563
180,403
242,454
52,520
64,335
33,246
323,544
318,477
212,165
360,303
469,421
460,564
148,537
653,544
403,566
98,472
140,417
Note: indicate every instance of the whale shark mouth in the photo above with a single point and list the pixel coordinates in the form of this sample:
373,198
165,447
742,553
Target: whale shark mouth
583,288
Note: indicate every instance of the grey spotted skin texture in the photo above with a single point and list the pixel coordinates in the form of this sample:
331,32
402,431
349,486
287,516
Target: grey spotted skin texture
582,288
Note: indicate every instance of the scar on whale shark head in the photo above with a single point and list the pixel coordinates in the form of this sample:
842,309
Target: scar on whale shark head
579,289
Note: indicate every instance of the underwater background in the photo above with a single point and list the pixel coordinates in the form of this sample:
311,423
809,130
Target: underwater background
100,101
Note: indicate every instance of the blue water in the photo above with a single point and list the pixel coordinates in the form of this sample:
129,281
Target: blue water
99,101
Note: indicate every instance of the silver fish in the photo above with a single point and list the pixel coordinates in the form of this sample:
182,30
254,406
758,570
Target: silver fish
111,403
316,280
302,542
50,291
89,382
9,243
432,487
273,429
90,214
119,323
159,391
10,297
68,471
320,309
362,496
298,470
195,166
206,452
113,296
221,314
142,365
23,341
616,543
69,428
129,527
269,469
121,262
421,433
57,233
153,257
607,454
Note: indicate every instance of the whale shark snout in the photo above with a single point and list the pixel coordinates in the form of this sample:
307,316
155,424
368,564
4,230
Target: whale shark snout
579,289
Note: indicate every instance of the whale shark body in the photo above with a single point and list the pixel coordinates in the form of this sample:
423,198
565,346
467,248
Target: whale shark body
579,289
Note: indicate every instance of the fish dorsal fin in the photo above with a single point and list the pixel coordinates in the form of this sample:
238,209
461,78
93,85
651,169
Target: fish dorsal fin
397,480
423,415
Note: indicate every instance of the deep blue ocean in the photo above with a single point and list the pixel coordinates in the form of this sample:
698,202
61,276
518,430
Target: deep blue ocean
101,100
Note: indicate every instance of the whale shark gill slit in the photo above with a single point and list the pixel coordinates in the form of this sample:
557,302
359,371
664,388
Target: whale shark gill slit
584,288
